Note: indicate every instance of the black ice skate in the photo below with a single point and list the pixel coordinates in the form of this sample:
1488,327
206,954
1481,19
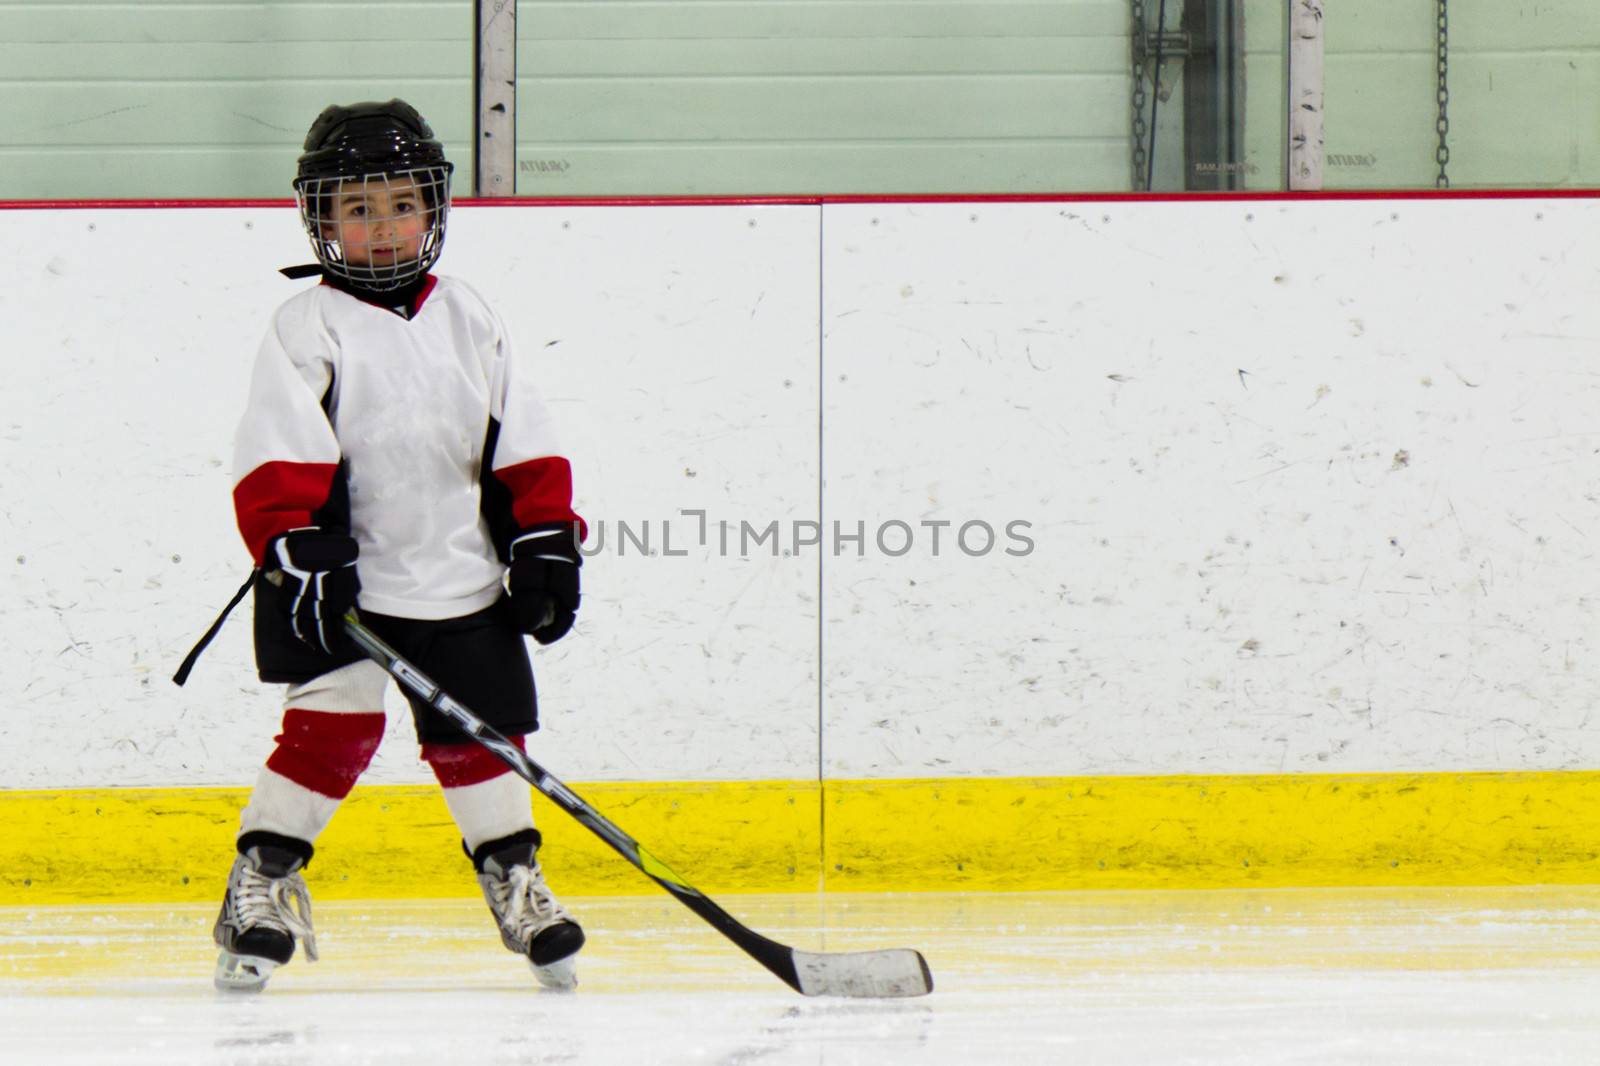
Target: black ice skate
531,922
266,908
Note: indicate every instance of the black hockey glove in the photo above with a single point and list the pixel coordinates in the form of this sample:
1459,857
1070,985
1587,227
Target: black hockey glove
543,581
314,573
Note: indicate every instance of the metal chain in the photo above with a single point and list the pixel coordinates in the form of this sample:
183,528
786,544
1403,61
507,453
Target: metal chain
1442,154
1139,129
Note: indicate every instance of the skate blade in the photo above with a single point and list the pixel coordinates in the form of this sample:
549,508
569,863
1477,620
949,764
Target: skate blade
242,973
559,976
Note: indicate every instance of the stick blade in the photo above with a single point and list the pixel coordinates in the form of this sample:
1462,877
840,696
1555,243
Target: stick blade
864,974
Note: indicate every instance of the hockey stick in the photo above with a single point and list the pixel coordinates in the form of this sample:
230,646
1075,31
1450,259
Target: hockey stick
899,972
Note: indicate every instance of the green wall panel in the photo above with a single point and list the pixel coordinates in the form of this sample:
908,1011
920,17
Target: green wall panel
234,61
813,97
618,97
178,99
780,169
840,108
809,19
176,114
615,96
1523,81
246,22
1265,124
885,56
160,173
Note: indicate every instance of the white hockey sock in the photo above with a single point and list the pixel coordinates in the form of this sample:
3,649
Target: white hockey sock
491,809
279,805
332,725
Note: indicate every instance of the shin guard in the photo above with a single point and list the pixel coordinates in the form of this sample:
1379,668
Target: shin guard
326,752
486,799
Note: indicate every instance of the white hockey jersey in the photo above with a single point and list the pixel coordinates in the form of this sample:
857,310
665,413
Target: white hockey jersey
424,436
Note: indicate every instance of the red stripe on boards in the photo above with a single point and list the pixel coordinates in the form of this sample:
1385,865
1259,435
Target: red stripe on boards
276,497
817,199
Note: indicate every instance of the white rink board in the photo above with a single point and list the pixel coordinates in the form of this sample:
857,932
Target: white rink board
677,348
1313,486
1230,573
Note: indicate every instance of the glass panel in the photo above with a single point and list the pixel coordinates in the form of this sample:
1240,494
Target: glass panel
1521,79
201,99
743,97
813,97
1193,125
1266,94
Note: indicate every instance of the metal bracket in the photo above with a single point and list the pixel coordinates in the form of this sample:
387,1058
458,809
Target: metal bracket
1175,44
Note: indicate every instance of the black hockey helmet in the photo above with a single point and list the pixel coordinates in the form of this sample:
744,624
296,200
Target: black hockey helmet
374,189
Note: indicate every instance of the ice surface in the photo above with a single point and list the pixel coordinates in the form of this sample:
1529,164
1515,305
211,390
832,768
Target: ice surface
1355,976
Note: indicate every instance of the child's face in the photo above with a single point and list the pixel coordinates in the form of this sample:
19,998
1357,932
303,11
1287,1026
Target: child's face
378,221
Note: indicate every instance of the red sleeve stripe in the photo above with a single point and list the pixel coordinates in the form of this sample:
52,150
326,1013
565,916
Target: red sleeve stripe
541,491
277,497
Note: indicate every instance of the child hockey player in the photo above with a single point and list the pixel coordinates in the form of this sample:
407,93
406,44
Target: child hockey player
394,455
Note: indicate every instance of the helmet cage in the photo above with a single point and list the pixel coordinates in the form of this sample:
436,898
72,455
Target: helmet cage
378,231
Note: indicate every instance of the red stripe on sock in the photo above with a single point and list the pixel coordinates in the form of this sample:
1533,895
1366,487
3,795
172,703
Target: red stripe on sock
326,752
458,765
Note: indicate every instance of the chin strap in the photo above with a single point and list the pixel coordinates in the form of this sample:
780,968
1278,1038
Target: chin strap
401,301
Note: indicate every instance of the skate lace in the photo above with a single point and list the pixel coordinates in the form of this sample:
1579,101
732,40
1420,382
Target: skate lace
526,902
281,903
